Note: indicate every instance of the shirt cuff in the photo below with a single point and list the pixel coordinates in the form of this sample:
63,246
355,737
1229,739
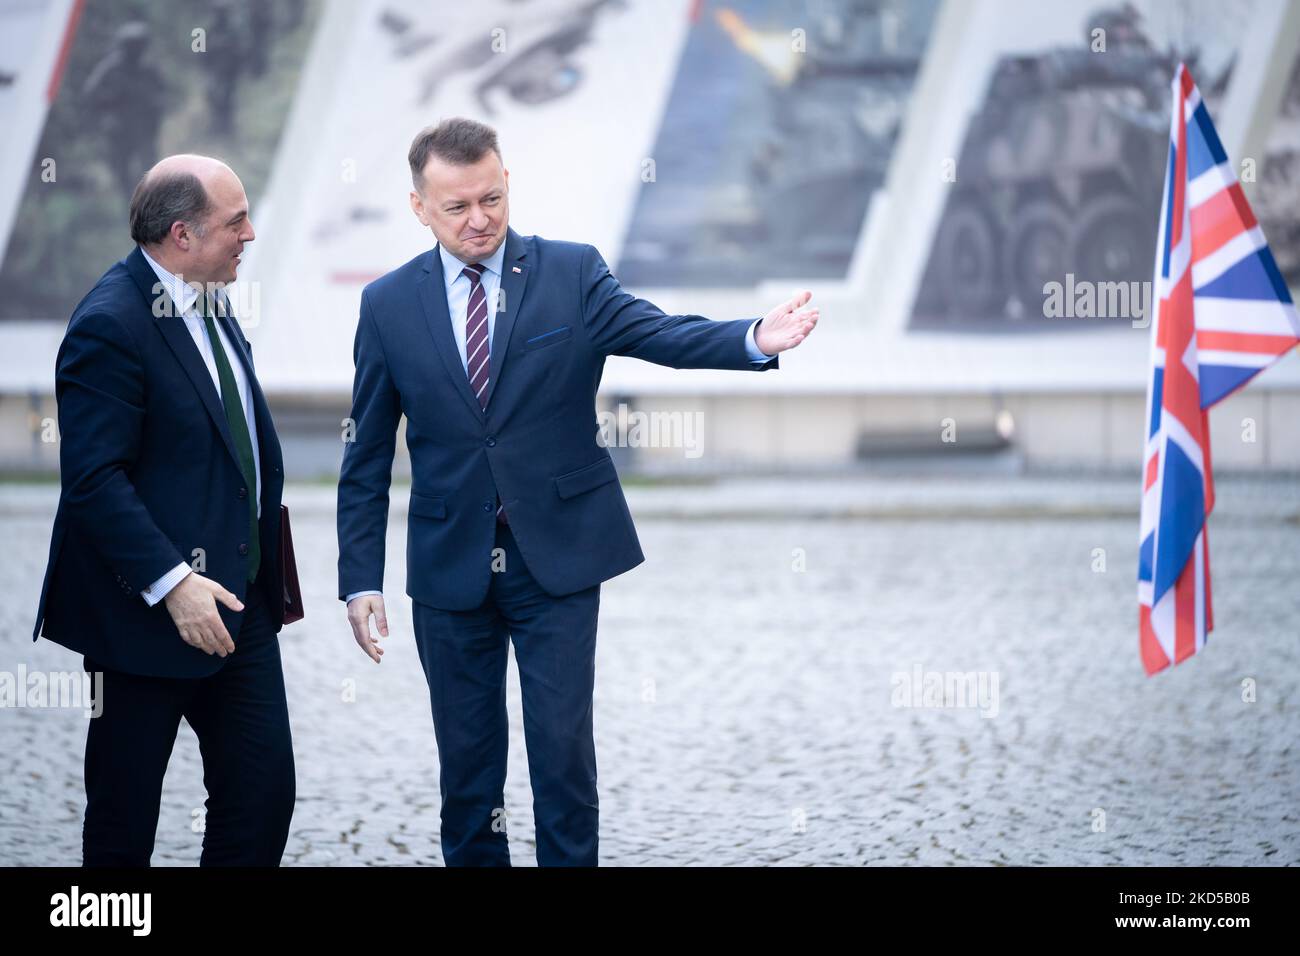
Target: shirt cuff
160,588
357,594
756,355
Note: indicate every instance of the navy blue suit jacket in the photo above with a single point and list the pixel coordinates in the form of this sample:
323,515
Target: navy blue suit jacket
149,473
536,444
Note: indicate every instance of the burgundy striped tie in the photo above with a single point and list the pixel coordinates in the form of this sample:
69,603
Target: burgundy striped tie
477,353
476,336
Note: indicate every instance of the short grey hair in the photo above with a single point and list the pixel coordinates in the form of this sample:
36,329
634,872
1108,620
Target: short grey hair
459,141
163,199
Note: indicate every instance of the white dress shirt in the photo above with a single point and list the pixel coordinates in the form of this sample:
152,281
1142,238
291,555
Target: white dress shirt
186,299
458,289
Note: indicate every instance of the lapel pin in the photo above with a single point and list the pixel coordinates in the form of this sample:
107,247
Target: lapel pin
516,269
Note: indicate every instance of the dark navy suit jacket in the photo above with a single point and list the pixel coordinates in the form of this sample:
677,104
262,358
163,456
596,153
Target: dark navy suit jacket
149,474
536,444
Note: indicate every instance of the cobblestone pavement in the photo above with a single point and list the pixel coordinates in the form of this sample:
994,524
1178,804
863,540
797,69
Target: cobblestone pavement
745,711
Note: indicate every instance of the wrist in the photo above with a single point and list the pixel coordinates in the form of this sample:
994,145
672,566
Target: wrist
172,587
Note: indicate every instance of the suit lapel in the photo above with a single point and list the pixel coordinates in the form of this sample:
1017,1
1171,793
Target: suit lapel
432,289
177,336
266,439
512,288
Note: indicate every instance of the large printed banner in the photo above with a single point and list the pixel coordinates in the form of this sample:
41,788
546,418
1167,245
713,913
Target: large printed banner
574,90
126,82
1057,181
35,42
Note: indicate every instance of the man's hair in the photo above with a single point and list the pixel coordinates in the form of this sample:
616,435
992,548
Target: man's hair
163,199
459,141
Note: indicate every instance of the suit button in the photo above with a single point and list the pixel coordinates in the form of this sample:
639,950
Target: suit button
487,506
243,549
243,492
490,441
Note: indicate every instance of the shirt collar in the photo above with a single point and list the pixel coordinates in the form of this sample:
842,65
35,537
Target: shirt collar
452,267
182,294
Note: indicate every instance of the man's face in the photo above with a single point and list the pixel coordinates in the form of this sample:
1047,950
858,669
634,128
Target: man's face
467,207
214,256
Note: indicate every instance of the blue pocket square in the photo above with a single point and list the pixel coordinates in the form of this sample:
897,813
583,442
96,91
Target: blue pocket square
549,338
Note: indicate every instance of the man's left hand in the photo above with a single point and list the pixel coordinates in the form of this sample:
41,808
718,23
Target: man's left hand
786,325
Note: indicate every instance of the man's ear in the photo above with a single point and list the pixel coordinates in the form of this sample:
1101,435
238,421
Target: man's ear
417,207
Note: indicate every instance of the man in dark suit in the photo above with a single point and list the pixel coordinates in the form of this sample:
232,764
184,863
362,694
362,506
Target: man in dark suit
516,513
163,566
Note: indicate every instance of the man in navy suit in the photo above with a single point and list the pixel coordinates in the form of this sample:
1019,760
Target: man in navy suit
162,568
492,345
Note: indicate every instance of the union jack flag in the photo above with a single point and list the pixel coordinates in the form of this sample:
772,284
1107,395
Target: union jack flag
1222,315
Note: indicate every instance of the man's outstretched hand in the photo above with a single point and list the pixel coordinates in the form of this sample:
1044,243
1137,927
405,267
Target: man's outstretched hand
787,325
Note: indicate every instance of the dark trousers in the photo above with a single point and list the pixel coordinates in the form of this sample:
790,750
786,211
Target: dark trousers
464,654
242,721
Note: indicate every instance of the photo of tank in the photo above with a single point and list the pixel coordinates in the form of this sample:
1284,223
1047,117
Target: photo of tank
1060,175
1277,196
773,140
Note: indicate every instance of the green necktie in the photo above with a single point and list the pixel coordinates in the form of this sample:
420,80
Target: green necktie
238,431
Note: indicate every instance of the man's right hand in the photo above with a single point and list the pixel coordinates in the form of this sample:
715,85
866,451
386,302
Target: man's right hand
786,325
193,606
359,611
